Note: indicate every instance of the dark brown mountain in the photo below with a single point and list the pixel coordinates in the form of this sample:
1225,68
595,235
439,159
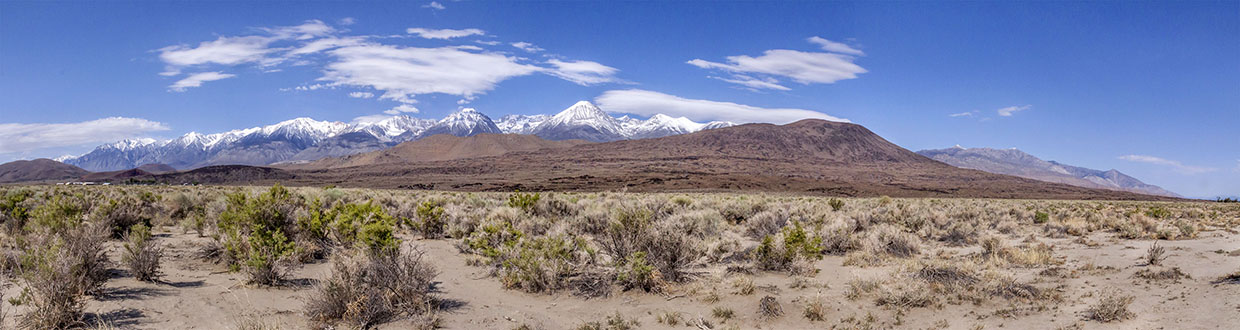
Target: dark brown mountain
41,169
114,176
808,156
442,147
157,168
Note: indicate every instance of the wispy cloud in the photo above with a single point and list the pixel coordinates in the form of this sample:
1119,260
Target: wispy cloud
443,33
648,103
381,70
15,137
583,72
1009,111
434,5
529,47
799,66
403,108
196,80
962,114
1173,164
835,47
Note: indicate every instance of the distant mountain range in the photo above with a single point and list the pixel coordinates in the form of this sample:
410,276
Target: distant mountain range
1018,163
809,156
302,140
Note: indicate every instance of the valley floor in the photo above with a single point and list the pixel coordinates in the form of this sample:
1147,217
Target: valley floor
196,294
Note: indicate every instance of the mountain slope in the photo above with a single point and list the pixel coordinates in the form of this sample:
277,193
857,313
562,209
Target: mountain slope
808,156
41,169
1018,163
444,147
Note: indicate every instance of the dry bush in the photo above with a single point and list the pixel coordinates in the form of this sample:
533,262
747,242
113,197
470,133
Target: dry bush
1155,255
670,318
1162,274
816,309
58,270
365,290
769,307
613,322
1113,306
766,223
142,254
723,313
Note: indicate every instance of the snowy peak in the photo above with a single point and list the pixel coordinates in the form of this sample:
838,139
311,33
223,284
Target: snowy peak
520,124
464,122
583,121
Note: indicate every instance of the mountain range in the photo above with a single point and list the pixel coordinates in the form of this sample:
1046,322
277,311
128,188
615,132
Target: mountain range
302,140
809,156
1018,163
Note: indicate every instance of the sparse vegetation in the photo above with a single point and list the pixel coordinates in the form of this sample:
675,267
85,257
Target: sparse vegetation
718,251
1111,307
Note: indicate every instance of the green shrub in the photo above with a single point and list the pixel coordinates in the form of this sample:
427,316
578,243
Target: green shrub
793,243
544,263
58,214
365,223
1158,213
1041,217
523,201
636,273
430,215
141,254
836,204
255,233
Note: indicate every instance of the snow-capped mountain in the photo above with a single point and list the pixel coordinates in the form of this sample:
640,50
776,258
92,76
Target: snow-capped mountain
464,122
520,124
581,121
585,121
305,139
252,146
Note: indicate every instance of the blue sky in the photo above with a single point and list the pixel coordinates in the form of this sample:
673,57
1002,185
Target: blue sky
1150,89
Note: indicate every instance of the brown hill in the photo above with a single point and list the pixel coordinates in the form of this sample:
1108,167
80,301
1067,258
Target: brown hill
41,169
808,156
442,147
157,168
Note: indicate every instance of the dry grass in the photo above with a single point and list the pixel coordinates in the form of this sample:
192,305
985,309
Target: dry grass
1111,307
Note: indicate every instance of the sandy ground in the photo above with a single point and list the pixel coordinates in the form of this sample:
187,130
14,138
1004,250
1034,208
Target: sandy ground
196,294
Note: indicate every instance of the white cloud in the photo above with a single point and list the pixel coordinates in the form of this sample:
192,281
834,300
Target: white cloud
225,50
647,103
362,95
403,108
347,21
801,67
434,5
488,43
16,137
404,72
325,44
582,72
196,80
753,83
835,47
1173,164
443,33
527,47
309,30
1008,111
962,114
370,119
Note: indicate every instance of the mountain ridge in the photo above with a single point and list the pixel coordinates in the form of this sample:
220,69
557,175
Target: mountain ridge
1019,163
